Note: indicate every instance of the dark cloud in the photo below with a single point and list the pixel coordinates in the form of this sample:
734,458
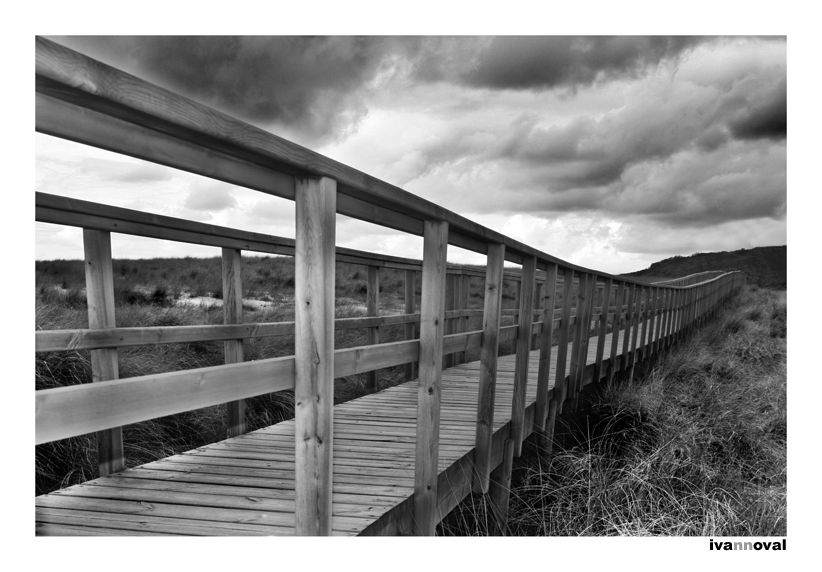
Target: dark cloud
768,120
539,62
310,83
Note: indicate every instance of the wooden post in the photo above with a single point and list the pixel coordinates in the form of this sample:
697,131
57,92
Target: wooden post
410,308
488,365
104,363
646,322
316,201
562,348
629,316
526,317
635,336
577,333
432,322
233,314
586,334
538,286
464,282
545,346
372,298
616,328
603,327
450,305
658,317
500,489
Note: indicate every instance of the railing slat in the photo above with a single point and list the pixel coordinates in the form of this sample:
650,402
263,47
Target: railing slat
432,318
372,298
562,350
603,328
410,308
523,348
104,363
233,314
488,366
545,347
314,353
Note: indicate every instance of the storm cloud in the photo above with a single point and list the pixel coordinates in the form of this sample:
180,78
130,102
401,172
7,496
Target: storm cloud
682,134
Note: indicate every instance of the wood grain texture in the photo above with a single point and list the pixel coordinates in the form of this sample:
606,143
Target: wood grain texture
104,363
488,365
233,314
617,327
314,352
410,308
432,318
372,304
603,326
546,345
523,348
564,331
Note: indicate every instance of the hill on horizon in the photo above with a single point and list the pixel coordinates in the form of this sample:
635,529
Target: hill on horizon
765,266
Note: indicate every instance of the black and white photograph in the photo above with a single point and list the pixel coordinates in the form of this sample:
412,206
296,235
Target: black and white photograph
485,284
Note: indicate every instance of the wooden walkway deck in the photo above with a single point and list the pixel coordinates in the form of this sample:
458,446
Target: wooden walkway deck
245,485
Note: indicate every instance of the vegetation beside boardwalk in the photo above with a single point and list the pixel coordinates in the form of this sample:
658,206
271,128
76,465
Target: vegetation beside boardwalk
698,447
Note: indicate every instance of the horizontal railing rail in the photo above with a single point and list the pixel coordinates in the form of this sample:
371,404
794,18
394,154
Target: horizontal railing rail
561,307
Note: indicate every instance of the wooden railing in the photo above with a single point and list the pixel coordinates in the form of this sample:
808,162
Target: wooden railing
86,101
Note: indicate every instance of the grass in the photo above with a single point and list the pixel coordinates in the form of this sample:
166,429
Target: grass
697,448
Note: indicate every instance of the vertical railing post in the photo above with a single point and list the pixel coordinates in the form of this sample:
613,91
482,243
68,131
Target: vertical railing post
603,327
580,330
646,321
464,282
616,328
545,346
233,314
523,348
432,323
372,303
659,313
488,365
410,308
562,349
588,312
316,201
450,305
635,327
666,316
104,362
629,316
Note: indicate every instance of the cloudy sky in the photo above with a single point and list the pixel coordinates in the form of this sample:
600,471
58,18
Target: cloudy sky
609,152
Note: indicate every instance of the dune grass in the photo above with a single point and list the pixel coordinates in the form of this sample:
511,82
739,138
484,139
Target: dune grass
698,447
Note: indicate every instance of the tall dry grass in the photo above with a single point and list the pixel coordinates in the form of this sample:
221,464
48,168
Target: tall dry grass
696,448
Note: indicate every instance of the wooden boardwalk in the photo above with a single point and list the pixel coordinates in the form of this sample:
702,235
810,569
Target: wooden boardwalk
245,485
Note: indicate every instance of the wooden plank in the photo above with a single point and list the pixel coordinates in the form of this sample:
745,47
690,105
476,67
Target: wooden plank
523,347
79,409
410,308
372,297
233,314
500,493
104,366
616,327
629,317
432,316
75,212
314,352
545,345
603,326
635,324
488,365
587,310
562,348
